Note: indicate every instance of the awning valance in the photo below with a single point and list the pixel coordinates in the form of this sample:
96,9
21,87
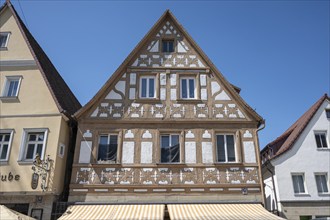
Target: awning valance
118,212
219,212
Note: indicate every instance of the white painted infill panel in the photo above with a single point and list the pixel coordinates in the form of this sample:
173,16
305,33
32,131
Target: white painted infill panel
190,152
249,152
85,152
207,153
146,152
128,152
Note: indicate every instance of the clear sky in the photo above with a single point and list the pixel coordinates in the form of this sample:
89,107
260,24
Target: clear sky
277,52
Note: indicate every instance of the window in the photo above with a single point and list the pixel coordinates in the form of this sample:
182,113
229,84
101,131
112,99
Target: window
226,148
327,112
147,87
4,36
108,145
298,183
34,143
188,88
11,87
170,148
321,183
168,46
5,143
321,139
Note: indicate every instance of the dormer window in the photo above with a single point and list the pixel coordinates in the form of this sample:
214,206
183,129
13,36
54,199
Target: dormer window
4,36
168,46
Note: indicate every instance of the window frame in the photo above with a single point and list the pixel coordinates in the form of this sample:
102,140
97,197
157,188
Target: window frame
327,113
148,77
326,181
160,146
326,140
5,90
304,184
185,77
225,147
168,40
6,33
108,142
11,132
24,143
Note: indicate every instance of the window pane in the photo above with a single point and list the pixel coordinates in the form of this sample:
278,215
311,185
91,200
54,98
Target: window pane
170,46
6,137
318,140
40,137
151,88
323,140
39,149
165,152
144,88
112,149
4,151
32,137
230,148
191,88
165,46
221,157
295,184
30,151
327,111
184,89
175,153
321,182
103,145
298,183
3,39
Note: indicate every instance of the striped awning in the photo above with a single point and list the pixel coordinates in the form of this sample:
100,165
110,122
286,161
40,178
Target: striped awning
219,212
118,212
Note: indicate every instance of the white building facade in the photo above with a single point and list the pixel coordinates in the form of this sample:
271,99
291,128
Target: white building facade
296,167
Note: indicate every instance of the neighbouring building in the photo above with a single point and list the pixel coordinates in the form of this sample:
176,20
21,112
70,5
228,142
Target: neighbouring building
167,136
296,166
35,119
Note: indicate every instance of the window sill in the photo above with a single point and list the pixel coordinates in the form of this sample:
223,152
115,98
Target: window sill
189,101
323,149
324,194
23,162
3,48
302,195
146,100
4,162
9,98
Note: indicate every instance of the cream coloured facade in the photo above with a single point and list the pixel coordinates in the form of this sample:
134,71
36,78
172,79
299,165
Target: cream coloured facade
33,120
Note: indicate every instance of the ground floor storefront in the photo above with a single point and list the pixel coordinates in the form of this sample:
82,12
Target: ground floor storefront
168,211
305,210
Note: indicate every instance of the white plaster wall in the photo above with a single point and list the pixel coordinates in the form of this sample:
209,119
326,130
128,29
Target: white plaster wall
304,157
85,152
128,152
207,153
269,194
190,152
249,152
146,152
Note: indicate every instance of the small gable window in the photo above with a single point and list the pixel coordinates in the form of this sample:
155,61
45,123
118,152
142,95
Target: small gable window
4,36
321,139
327,112
147,87
11,86
168,46
188,88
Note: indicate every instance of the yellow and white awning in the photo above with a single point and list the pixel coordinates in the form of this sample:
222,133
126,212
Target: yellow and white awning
220,212
118,212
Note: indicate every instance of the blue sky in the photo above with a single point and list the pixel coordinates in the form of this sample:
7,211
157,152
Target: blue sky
277,52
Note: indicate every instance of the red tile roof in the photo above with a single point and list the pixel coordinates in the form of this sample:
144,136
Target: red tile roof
285,142
65,100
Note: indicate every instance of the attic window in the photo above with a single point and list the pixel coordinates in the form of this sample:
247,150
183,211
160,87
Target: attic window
327,112
4,36
168,46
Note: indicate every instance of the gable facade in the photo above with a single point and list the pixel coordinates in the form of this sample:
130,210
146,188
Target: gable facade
33,122
298,184
180,131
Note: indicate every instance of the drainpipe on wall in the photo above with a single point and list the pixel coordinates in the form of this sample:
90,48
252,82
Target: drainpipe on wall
262,125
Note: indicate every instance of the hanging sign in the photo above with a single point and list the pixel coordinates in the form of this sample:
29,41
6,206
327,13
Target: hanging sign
35,180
